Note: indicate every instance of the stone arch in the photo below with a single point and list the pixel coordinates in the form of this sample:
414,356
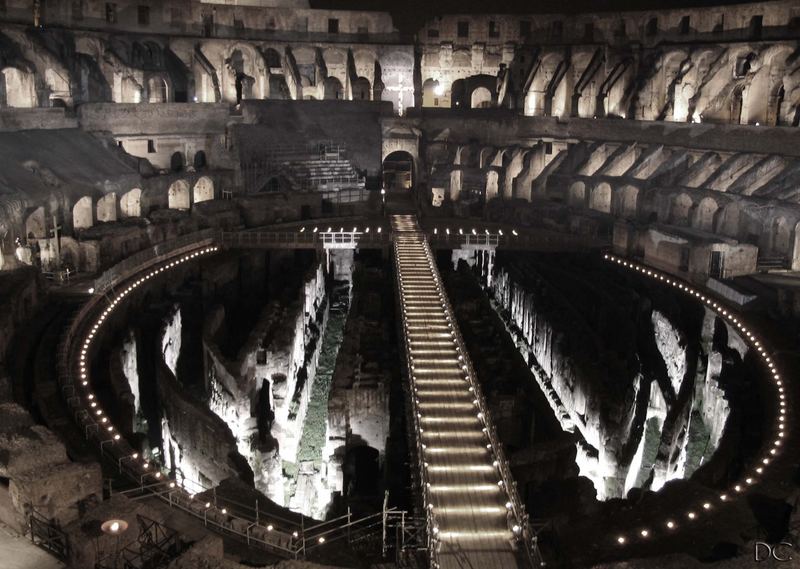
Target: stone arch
600,198
203,190
400,141
544,85
243,71
362,90
19,88
107,208
277,183
760,104
398,170
157,91
332,89
576,196
703,217
130,205
628,201
178,195
481,98
680,208
83,213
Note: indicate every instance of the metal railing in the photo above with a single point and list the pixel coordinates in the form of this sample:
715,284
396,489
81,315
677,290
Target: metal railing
48,535
306,239
525,530
136,262
430,517
510,485
276,534
529,240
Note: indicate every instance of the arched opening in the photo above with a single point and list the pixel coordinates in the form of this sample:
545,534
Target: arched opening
628,201
704,214
398,171
433,94
272,58
178,195
19,90
600,198
156,90
107,208
458,94
481,98
83,213
130,205
203,190
176,162
243,83
679,213
199,160
577,195
277,183
362,91
332,89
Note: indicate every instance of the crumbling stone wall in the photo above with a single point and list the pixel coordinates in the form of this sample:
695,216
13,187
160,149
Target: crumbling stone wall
638,394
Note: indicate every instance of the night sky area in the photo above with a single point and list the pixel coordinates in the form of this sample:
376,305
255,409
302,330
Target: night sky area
410,15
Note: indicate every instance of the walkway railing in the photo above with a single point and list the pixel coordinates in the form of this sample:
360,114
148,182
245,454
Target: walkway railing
278,535
136,262
306,239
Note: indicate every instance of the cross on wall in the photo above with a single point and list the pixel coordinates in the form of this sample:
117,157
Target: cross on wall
400,89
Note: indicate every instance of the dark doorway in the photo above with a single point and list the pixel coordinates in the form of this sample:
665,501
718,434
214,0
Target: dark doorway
176,162
398,171
715,270
199,160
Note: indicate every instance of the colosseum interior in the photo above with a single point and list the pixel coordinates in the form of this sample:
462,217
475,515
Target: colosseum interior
289,285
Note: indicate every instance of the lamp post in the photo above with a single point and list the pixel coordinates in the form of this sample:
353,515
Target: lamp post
116,528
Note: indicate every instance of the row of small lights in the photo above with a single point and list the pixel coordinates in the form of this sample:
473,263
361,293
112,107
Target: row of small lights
429,505
97,412
763,462
330,229
474,231
460,230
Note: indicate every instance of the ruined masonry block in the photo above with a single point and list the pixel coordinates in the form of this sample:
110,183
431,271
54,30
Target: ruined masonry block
55,491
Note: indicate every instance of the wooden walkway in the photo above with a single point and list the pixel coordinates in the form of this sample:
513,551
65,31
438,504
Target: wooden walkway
470,520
